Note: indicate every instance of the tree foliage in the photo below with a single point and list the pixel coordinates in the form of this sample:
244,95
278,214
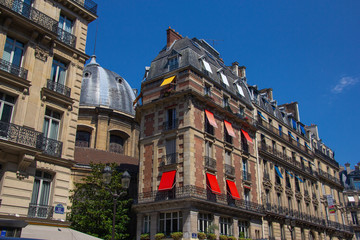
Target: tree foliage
92,205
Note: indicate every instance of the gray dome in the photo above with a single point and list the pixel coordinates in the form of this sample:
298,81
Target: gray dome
102,87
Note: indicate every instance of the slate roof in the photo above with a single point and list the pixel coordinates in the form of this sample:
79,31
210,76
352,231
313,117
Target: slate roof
190,52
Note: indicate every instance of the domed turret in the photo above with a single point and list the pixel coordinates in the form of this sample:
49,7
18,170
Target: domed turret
103,88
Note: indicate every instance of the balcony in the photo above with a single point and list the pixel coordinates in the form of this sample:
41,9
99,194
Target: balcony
266,176
169,159
40,211
229,170
59,88
88,5
210,163
18,134
13,69
247,176
196,193
50,146
329,177
31,13
66,37
325,157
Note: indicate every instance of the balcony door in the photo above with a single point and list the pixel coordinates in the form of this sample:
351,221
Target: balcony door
65,23
40,195
12,56
22,6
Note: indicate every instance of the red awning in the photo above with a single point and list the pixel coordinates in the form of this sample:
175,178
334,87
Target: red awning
211,119
214,186
229,128
247,187
167,180
233,190
248,138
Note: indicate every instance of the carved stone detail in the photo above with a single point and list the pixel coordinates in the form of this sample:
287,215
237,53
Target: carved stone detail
41,53
267,184
307,198
24,162
278,188
298,195
288,191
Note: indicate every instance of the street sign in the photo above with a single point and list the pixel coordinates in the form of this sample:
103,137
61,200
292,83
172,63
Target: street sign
59,209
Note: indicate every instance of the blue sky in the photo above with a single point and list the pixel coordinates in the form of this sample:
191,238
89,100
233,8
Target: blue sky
306,51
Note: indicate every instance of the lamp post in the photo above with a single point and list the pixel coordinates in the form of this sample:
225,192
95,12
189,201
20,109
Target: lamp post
290,222
125,182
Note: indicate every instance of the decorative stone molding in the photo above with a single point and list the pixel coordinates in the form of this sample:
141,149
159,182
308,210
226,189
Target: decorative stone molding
315,202
298,195
278,188
307,198
267,184
41,53
288,191
24,162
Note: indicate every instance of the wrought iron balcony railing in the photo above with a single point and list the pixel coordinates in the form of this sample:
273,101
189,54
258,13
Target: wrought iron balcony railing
59,88
328,176
194,192
247,176
51,147
210,162
169,159
229,170
169,125
31,13
18,134
66,37
40,211
88,5
13,69
326,157
79,143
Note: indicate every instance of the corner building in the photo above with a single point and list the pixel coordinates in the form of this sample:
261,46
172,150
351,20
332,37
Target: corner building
42,44
197,147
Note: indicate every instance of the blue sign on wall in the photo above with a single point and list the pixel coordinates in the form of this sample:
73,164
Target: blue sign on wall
194,235
59,209
3,233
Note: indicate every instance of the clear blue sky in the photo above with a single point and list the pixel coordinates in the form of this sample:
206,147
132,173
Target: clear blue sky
307,51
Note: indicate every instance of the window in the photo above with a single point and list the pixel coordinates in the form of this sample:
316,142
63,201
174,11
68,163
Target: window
228,157
302,234
82,139
171,121
298,141
225,226
227,136
116,144
208,127
279,199
290,203
51,124
13,53
58,72
271,234
274,146
39,204
224,79
226,102
170,151
299,205
277,177
206,65
284,151
247,195
6,107
293,156
282,231
207,90
297,185
204,221
270,121
245,169
65,23
287,179
243,229
173,63
146,224
267,194
354,218
170,222
208,149
241,111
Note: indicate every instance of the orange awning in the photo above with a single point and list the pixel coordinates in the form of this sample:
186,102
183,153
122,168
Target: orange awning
248,138
167,81
233,190
167,180
214,185
229,128
211,118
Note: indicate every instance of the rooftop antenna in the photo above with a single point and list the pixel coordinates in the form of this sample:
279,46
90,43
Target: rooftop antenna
214,41
97,26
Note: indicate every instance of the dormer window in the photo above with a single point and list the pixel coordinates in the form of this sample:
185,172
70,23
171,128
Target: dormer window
224,78
207,90
240,90
173,63
206,65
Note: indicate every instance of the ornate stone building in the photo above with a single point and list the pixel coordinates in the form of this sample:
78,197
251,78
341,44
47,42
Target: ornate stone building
215,151
42,44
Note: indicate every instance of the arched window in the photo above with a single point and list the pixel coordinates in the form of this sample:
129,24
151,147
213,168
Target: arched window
116,144
82,139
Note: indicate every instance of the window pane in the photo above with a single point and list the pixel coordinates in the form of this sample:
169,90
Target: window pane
7,51
46,127
54,129
61,78
35,192
45,191
17,57
6,113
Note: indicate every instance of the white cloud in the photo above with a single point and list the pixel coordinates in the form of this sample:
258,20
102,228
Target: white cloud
343,83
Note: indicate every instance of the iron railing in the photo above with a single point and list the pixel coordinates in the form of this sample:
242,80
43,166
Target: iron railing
229,170
328,176
50,146
31,13
169,159
79,143
326,157
210,162
66,37
13,69
169,125
40,211
88,5
58,87
191,191
247,176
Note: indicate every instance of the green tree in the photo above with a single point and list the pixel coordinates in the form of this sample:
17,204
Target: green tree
92,205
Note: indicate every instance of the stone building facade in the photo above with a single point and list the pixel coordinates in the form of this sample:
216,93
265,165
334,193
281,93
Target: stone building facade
42,44
215,151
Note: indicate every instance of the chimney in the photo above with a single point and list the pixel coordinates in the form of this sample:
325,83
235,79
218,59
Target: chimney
171,37
242,72
235,68
347,165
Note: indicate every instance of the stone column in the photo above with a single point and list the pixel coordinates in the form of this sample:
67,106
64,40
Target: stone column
216,223
153,225
189,224
235,228
139,219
